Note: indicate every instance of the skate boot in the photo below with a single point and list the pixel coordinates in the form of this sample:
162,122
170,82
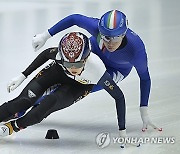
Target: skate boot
6,129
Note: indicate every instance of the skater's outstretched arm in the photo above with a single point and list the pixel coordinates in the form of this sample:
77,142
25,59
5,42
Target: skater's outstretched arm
110,86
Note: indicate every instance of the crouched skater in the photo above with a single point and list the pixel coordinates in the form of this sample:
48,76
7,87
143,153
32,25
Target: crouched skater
74,69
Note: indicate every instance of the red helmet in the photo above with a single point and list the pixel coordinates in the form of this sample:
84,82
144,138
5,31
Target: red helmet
74,47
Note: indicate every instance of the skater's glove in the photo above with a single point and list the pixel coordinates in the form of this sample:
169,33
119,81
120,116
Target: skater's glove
124,138
146,120
39,40
15,82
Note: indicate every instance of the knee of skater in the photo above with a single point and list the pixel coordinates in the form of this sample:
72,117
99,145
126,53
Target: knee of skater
26,102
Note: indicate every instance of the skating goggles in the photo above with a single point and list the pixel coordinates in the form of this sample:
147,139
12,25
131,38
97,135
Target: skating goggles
76,64
113,39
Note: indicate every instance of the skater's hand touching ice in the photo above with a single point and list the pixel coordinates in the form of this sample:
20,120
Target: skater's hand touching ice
146,120
15,82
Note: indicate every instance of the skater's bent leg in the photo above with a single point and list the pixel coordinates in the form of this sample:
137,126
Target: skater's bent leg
25,100
62,98
36,115
67,95
57,100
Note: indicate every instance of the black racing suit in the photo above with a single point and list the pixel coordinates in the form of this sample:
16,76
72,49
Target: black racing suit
67,93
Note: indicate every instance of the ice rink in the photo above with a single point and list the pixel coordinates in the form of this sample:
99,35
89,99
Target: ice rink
157,22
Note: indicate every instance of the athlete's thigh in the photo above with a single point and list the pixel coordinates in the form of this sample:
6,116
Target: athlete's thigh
69,94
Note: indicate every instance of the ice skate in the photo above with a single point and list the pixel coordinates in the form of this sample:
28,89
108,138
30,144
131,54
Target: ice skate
6,129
